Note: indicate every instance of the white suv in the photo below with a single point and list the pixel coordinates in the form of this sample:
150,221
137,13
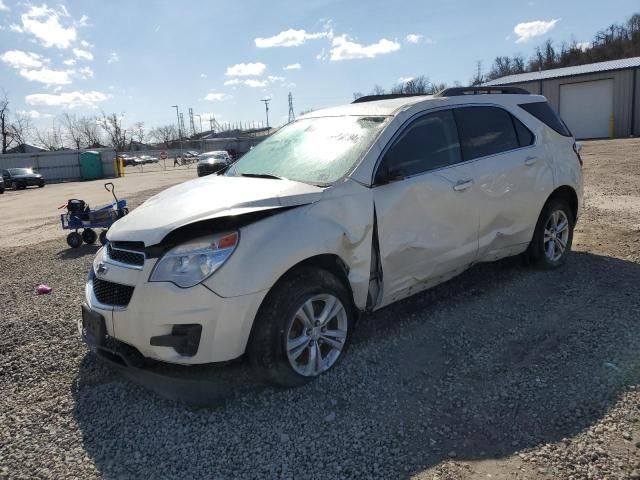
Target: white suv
341,212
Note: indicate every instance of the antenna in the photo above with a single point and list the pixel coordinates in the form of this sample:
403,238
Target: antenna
266,108
292,115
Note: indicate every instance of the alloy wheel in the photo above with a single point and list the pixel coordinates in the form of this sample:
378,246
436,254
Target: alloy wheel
316,335
556,235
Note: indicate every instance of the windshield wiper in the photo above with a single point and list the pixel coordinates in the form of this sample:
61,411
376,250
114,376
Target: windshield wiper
262,175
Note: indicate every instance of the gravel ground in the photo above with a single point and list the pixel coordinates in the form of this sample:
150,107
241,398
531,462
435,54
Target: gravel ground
503,372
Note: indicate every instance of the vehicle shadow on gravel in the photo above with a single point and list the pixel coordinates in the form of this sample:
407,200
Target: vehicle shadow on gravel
500,359
82,251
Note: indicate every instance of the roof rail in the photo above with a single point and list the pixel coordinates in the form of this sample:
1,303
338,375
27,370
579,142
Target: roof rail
459,91
386,96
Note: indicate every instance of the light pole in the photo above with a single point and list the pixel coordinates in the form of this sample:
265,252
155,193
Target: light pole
201,138
179,129
266,108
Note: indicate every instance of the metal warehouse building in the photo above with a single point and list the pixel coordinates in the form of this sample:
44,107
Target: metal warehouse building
598,100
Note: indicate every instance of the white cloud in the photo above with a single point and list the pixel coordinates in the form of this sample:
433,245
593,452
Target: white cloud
83,54
215,96
20,59
584,45
67,99
413,38
71,62
289,38
83,22
256,83
15,28
86,44
47,76
245,69
528,30
293,66
45,24
85,73
203,75
233,81
345,49
3,6
275,78
113,58
34,114
404,80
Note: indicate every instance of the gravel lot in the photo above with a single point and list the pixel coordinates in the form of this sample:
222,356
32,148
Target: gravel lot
503,372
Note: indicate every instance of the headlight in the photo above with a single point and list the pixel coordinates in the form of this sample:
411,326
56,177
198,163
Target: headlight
192,262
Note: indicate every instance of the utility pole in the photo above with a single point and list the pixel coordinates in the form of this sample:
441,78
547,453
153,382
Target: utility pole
292,115
200,118
266,108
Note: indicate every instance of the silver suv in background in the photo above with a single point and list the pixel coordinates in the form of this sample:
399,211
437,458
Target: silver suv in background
342,212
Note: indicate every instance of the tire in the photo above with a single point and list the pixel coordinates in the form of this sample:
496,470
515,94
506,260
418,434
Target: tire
41,184
74,239
281,348
103,237
89,236
546,249
14,186
1,191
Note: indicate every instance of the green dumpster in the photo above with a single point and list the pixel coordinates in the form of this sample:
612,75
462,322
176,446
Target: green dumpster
90,166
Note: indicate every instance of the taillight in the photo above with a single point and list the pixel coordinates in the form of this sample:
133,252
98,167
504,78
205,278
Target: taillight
576,149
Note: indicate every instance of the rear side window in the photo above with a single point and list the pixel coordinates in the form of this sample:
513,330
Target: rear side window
543,112
525,137
429,143
485,131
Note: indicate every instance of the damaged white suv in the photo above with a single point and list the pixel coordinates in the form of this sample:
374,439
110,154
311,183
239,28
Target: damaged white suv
341,212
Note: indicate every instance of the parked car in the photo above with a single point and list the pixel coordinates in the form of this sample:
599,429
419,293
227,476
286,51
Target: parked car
212,162
127,160
1,184
338,214
20,178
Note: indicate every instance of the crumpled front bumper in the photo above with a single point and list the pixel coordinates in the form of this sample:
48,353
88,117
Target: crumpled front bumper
160,309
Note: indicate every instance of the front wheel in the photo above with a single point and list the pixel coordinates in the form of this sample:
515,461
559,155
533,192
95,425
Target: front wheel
89,236
74,240
302,329
553,235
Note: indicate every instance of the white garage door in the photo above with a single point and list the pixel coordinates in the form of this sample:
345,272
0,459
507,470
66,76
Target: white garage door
587,107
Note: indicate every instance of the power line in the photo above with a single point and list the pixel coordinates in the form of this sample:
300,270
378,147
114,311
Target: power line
292,115
191,123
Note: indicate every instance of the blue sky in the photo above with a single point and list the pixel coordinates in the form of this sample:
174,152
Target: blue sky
140,57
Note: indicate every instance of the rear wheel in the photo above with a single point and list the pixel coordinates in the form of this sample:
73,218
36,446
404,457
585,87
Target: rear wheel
553,235
103,237
74,239
41,184
89,236
302,329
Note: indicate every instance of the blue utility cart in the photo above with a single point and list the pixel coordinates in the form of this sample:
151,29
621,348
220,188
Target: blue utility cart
80,216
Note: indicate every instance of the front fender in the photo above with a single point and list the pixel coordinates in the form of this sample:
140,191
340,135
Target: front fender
340,224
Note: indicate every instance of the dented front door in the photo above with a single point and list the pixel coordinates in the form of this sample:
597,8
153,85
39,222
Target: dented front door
427,228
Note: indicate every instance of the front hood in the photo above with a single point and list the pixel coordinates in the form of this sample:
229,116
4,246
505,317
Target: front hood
206,198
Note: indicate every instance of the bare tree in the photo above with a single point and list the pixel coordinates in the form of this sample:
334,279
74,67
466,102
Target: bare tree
164,134
89,131
138,132
116,134
72,129
51,139
20,130
4,121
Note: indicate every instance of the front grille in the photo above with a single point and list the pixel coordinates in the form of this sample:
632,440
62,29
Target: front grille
114,294
129,257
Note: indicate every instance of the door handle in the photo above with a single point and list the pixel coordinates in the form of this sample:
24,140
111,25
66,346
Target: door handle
530,161
462,185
